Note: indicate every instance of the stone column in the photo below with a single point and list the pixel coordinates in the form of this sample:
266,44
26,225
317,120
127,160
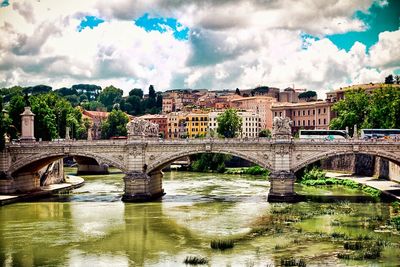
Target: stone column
141,187
282,187
27,125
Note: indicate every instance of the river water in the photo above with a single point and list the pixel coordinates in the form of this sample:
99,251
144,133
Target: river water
92,227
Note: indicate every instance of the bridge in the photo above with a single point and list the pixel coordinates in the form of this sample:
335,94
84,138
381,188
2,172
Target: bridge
142,160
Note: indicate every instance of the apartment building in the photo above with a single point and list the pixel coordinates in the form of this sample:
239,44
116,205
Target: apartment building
196,124
176,125
306,115
257,104
251,123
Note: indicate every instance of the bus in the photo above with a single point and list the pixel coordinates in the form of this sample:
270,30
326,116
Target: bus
323,134
380,134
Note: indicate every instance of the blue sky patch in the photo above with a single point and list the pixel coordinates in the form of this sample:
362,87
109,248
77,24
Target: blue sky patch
89,21
162,24
306,38
378,19
4,3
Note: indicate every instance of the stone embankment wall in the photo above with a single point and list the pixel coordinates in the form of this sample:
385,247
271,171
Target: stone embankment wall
363,165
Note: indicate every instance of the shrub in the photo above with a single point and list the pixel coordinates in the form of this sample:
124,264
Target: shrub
194,260
222,244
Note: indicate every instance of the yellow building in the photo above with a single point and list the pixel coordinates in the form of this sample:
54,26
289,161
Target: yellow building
196,124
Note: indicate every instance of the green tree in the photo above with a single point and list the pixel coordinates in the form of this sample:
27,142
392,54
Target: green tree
265,133
237,91
308,95
381,109
110,96
15,108
137,92
205,162
352,110
389,79
397,79
4,124
136,105
115,125
93,105
229,123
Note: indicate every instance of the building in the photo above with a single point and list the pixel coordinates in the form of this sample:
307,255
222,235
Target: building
339,94
176,125
306,115
196,124
96,118
251,123
258,104
168,105
161,120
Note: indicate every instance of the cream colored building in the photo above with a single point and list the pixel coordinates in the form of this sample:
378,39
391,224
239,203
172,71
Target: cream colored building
251,123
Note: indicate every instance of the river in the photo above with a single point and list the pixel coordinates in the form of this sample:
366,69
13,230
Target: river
90,226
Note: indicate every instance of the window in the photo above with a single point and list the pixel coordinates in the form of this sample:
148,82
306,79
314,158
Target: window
294,123
324,121
308,111
298,113
308,122
304,112
313,112
324,110
304,123
319,111
319,121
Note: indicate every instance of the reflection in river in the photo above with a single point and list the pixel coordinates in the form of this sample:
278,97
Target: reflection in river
92,227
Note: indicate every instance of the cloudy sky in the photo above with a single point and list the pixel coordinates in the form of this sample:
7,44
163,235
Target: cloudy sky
215,44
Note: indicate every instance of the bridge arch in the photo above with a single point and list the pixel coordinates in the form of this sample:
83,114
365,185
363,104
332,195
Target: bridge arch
38,161
325,155
167,159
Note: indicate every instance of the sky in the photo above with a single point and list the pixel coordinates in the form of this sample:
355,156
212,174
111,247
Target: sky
213,44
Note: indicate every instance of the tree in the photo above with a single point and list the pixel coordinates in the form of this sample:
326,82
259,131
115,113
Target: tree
136,106
237,91
389,79
308,95
110,96
115,125
4,124
209,162
265,133
93,105
229,123
137,92
15,108
381,109
92,91
350,111
397,79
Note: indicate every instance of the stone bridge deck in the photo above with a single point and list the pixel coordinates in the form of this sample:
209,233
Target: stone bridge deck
146,157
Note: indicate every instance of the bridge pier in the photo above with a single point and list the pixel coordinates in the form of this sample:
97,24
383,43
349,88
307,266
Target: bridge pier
141,187
22,183
282,187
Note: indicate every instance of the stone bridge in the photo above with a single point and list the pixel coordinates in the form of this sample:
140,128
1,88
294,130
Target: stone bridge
142,160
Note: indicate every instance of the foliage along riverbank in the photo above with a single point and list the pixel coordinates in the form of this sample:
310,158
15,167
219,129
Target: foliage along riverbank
316,177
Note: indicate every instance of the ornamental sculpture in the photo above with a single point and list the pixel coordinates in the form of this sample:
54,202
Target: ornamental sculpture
282,128
141,128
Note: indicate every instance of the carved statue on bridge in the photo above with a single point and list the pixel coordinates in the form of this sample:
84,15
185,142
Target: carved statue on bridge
282,128
142,128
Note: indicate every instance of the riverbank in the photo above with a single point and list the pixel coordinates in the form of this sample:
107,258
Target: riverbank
387,187
71,182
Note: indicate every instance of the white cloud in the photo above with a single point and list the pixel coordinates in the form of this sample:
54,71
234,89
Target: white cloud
232,44
385,53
